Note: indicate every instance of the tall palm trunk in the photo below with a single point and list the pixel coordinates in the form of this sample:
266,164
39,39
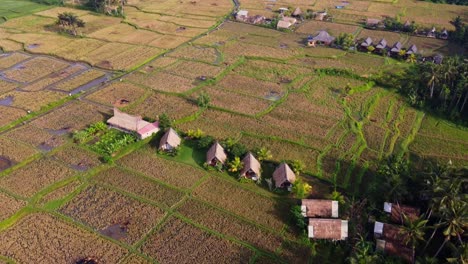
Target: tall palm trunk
442,246
464,102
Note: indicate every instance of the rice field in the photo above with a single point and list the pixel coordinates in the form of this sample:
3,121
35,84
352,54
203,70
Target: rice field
266,90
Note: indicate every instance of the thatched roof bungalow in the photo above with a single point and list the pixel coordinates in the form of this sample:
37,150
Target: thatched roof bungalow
170,140
252,167
397,211
216,155
283,176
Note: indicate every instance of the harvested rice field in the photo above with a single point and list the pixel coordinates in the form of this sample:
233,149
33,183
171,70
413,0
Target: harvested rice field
323,110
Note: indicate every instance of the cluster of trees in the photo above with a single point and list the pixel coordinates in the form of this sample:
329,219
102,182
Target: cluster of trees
460,35
109,7
395,24
440,192
452,2
69,22
443,87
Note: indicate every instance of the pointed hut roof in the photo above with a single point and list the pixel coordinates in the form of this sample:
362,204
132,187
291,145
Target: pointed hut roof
216,151
367,42
170,137
283,174
297,12
250,163
323,36
396,47
382,44
412,49
283,24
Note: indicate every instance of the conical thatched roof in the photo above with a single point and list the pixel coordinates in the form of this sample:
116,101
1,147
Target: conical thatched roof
367,42
250,163
396,47
412,49
216,151
297,12
171,138
323,36
382,44
283,174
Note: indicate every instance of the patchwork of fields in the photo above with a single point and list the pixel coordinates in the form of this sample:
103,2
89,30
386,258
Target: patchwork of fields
148,30
355,12
316,105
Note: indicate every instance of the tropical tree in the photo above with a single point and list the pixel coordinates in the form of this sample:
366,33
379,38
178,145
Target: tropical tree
235,165
164,121
455,222
263,154
363,253
301,189
297,166
70,22
337,196
413,231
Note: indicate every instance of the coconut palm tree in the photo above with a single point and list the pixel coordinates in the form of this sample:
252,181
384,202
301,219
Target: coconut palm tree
413,231
454,222
264,154
235,165
70,21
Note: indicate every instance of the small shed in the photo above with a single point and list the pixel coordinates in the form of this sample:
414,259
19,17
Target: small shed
170,140
388,232
412,50
291,20
242,15
319,208
330,229
252,167
297,12
397,210
216,155
283,176
395,249
367,42
283,24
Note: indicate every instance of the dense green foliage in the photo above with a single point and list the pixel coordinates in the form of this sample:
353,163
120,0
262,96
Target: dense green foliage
440,87
452,2
460,35
165,121
112,141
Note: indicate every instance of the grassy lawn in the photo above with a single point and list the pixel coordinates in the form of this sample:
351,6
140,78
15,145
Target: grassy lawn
189,154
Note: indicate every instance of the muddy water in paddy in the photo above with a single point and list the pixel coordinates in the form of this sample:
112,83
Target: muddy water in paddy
5,163
7,101
115,231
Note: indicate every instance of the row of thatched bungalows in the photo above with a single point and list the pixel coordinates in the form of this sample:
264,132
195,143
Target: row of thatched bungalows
216,156
383,48
283,176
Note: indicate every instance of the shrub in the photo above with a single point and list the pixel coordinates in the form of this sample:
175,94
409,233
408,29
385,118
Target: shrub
297,166
195,134
80,136
297,217
164,121
301,189
203,100
205,142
